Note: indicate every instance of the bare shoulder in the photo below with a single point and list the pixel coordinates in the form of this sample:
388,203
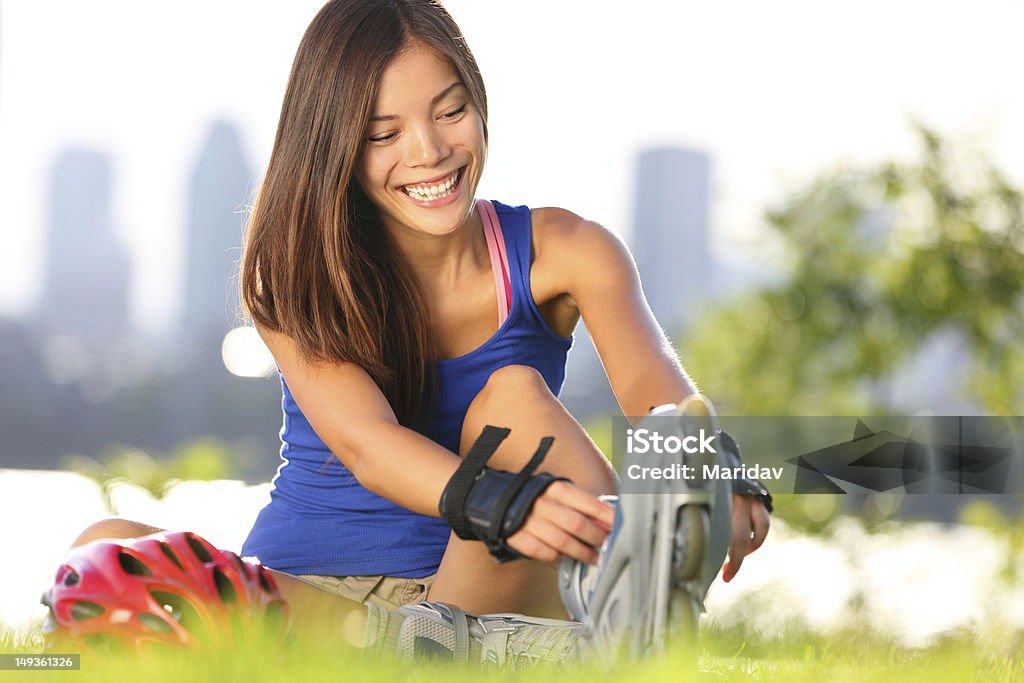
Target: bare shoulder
282,347
574,250
560,226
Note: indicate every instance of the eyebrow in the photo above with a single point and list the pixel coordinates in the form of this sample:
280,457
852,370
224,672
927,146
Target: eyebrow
437,98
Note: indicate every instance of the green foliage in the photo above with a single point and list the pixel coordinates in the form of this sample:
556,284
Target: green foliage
726,656
600,432
204,459
879,260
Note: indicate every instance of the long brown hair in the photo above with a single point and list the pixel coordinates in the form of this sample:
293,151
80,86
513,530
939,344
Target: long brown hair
316,263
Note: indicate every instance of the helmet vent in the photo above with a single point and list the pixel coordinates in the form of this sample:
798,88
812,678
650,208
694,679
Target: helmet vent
224,586
181,610
133,565
264,583
170,603
166,549
155,623
198,548
83,610
242,566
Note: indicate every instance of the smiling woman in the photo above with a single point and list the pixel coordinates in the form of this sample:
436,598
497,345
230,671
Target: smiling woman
379,304
437,130
421,334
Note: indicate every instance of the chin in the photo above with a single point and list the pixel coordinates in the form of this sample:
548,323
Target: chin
440,220
439,227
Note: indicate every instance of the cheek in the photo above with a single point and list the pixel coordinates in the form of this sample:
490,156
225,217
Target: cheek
478,131
480,144
468,132
373,171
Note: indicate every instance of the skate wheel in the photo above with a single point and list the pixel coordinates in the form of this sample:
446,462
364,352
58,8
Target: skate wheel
693,528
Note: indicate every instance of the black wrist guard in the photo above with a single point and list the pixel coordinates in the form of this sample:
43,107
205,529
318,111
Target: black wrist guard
491,505
744,486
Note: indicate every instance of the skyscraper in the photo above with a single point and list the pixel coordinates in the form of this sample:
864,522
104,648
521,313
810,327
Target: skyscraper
87,268
218,193
670,245
670,232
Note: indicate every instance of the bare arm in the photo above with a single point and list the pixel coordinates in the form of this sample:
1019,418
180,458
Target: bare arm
353,418
601,278
598,273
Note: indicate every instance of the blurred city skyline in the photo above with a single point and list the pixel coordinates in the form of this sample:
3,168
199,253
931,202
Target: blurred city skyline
76,358
772,94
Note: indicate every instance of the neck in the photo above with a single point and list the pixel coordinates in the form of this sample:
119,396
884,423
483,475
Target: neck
439,261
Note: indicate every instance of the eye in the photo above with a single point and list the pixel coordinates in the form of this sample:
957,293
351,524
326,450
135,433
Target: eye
388,137
454,113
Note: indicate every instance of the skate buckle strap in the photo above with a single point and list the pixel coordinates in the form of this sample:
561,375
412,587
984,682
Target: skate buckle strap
461,623
495,641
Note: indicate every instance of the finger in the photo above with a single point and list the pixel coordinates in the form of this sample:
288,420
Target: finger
589,531
585,502
761,520
565,518
573,496
563,542
532,547
740,537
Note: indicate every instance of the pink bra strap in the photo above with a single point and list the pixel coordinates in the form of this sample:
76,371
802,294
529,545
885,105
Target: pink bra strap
499,258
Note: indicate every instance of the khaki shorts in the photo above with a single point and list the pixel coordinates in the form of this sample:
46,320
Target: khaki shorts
386,591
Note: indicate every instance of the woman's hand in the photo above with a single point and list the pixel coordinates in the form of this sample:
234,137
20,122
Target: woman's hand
750,524
568,521
564,521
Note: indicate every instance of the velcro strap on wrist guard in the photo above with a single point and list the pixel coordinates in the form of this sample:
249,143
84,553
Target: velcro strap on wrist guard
453,500
490,505
743,485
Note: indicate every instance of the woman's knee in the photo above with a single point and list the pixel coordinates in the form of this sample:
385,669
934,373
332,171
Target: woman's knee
510,392
518,397
516,379
113,527
511,385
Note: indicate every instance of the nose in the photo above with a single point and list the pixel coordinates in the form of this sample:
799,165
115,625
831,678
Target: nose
427,147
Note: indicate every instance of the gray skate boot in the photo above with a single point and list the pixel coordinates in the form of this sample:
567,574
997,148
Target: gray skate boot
664,550
440,631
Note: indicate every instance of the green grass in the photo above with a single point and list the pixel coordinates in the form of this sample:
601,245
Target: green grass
725,656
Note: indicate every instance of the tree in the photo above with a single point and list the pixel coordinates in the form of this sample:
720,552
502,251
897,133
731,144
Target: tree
880,259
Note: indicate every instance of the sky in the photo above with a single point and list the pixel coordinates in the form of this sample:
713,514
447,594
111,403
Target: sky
774,92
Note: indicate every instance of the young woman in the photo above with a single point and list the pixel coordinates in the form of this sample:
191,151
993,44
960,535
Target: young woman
406,315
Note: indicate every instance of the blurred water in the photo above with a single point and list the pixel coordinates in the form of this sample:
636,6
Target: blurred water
41,513
912,582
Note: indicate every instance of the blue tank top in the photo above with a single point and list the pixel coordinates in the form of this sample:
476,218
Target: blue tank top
321,520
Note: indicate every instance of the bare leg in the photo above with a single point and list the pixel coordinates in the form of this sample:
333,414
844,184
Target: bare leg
518,398
317,611
115,527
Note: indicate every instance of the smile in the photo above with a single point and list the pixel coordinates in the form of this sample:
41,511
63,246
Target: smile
445,187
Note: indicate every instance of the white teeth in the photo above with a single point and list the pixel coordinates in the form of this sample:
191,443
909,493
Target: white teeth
434,191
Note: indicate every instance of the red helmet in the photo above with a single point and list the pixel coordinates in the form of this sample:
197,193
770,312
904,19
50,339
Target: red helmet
166,588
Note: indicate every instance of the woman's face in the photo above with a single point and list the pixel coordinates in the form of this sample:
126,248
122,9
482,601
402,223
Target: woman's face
425,147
